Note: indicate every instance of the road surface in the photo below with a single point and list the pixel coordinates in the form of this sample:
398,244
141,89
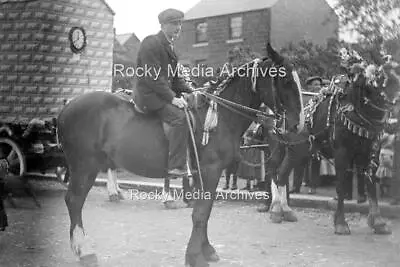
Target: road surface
142,233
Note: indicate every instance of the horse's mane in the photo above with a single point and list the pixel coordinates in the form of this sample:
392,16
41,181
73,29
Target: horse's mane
220,83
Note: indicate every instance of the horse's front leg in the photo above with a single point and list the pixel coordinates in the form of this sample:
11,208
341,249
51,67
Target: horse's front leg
341,164
283,180
375,220
199,249
114,192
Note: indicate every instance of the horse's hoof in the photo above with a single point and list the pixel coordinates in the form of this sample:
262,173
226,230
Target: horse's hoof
196,261
263,209
38,205
89,260
173,205
121,195
289,216
114,198
212,258
170,204
210,254
342,229
383,230
375,221
276,217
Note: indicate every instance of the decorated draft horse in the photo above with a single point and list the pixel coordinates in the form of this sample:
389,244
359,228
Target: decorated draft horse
345,124
100,131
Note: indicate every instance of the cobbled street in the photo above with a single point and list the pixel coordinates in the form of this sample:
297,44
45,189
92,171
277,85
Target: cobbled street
143,233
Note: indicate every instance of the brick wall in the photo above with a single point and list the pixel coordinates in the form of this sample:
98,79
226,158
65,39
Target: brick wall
256,28
287,21
38,71
296,20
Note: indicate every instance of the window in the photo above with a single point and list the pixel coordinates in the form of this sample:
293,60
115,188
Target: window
235,27
201,32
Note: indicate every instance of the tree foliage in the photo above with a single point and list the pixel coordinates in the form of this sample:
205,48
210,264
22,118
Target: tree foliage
375,22
311,60
372,20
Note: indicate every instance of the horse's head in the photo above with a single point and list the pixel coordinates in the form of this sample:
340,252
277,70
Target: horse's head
374,89
280,89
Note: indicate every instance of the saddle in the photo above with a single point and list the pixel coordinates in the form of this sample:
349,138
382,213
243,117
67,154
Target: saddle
129,96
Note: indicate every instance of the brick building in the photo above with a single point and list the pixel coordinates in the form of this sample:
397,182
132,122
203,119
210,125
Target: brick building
212,27
126,48
52,51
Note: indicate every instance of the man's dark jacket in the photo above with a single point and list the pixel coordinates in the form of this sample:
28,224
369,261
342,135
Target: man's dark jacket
152,94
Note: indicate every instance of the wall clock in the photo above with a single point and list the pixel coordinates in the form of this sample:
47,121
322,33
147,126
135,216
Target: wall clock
77,39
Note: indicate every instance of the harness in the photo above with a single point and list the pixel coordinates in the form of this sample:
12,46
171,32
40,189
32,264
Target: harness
211,120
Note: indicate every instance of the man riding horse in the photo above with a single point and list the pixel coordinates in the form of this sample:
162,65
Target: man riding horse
162,94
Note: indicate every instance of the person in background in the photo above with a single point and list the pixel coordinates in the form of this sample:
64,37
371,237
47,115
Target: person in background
314,84
385,169
311,169
395,181
250,166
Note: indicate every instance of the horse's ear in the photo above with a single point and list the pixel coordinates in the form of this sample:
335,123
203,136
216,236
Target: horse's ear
278,59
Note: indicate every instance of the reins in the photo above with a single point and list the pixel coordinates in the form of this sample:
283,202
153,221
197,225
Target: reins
230,105
194,148
235,107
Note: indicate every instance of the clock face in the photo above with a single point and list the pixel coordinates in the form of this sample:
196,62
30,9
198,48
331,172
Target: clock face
77,38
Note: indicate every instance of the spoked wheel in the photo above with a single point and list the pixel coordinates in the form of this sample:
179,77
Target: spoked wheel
14,165
15,159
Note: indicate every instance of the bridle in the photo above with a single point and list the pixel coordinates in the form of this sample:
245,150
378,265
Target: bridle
242,110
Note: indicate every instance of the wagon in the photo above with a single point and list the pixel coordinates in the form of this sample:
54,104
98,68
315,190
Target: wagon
50,52
32,149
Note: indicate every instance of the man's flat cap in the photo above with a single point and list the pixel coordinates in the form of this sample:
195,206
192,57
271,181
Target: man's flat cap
170,15
313,78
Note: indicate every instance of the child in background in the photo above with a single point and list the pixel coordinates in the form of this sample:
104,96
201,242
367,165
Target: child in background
386,155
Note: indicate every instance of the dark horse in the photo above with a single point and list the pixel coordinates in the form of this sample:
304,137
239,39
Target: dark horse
346,125
99,130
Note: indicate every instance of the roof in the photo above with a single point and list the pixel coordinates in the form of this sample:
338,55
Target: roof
13,1
16,1
211,8
122,38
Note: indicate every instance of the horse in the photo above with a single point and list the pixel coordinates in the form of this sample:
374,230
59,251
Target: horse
100,131
114,191
346,125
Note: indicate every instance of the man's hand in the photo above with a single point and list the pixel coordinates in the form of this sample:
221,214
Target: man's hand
179,102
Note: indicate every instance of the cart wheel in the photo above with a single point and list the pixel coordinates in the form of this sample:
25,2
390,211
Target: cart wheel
62,174
10,151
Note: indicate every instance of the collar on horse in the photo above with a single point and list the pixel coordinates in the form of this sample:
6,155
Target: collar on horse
211,120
